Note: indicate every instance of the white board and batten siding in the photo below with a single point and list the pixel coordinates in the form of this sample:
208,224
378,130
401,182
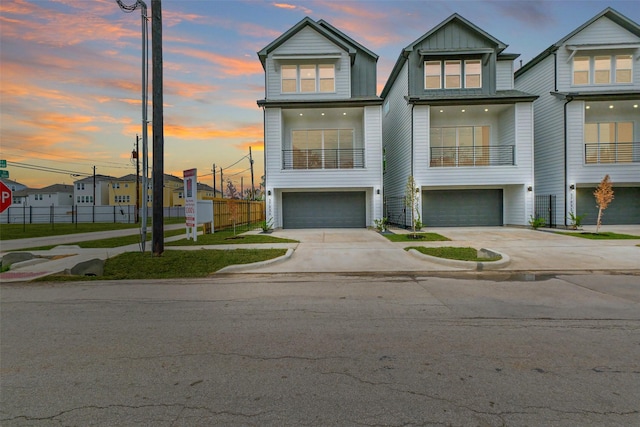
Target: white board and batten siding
396,128
312,45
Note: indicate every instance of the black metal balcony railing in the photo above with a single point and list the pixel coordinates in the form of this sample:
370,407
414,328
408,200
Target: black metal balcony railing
620,152
323,159
485,155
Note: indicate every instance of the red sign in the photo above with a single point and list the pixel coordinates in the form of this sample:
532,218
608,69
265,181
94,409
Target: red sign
5,197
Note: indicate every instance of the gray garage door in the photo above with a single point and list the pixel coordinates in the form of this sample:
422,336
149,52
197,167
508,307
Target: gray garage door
462,208
324,210
624,209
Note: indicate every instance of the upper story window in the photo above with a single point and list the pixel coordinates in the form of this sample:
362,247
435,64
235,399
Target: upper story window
602,69
453,74
308,78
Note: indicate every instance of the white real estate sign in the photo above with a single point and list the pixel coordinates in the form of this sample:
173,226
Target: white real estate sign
190,202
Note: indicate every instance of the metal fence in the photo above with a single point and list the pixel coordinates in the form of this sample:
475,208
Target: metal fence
545,207
484,155
227,212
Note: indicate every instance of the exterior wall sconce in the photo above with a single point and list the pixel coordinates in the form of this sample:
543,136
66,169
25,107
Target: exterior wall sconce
268,192
529,188
572,186
417,190
378,191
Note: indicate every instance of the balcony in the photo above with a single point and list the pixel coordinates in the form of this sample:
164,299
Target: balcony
620,152
351,158
482,155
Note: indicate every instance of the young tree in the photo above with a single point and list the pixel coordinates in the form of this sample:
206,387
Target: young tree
411,200
604,196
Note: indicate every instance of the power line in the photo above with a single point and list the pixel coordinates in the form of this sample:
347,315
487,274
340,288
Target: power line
46,169
91,161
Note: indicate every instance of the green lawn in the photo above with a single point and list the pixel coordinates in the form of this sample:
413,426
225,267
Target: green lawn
449,252
173,264
420,237
600,236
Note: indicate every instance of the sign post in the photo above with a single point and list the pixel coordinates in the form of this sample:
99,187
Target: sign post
6,197
191,203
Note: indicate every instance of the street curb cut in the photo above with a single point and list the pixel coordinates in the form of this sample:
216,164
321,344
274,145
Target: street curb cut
467,265
241,267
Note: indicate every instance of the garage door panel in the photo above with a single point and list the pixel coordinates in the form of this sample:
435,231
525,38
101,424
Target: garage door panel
324,210
623,209
462,208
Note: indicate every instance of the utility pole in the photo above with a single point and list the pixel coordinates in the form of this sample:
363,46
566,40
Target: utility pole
157,236
214,180
94,195
145,104
253,190
221,184
137,178
242,187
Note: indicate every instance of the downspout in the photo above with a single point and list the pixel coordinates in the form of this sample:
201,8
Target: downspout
569,99
555,72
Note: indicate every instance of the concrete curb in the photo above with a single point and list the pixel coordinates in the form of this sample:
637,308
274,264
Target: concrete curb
467,265
241,267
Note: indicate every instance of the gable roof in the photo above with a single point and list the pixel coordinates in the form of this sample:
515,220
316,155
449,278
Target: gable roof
455,17
609,12
404,54
341,40
54,188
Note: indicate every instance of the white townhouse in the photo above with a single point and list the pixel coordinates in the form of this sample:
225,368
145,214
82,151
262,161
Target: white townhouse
52,195
84,191
322,130
453,120
587,119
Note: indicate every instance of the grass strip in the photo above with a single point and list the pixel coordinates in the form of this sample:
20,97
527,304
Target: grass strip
111,242
600,236
411,237
173,264
450,252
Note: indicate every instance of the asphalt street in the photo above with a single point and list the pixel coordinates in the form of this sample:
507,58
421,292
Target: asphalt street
455,349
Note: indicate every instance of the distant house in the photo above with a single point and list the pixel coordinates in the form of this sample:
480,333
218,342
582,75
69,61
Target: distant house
587,119
454,122
122,191
86,189
323,136
17,190
204,192
53,195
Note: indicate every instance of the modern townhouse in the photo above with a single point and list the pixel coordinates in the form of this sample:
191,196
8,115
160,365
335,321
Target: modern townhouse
52,195
453,121
587,119
92,190
322,129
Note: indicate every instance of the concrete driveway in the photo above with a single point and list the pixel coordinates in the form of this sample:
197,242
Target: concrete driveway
360,250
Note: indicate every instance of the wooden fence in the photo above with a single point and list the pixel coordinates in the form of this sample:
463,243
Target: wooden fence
242,212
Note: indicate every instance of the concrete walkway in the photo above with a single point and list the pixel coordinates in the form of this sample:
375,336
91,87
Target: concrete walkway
366,251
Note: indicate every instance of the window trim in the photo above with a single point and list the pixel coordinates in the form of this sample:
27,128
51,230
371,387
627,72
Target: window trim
318,78
592,71
462,73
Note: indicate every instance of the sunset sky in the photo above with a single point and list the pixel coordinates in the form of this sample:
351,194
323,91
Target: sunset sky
70,73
